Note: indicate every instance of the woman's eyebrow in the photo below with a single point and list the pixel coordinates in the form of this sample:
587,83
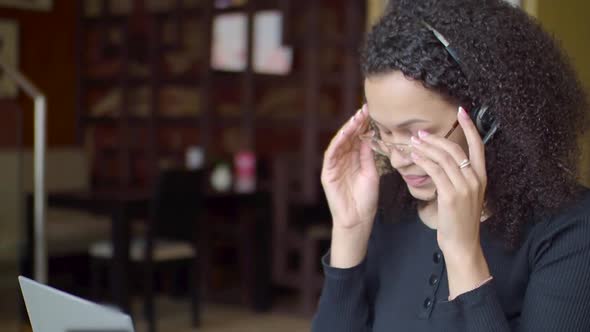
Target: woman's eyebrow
402,124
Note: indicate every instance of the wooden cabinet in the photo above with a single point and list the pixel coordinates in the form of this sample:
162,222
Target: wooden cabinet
147,91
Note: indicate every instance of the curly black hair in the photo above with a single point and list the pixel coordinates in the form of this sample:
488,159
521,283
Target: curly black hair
517,69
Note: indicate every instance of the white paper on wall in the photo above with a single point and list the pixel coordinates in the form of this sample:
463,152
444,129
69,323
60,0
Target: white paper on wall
229,43
270,56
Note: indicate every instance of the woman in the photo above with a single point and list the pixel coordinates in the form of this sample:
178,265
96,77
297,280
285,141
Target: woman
479,226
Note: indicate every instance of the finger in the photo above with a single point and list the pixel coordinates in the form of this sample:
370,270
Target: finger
359,122
367,160
450,147
475,143
436,173
343,140
443,159
357,125
339,138
350,132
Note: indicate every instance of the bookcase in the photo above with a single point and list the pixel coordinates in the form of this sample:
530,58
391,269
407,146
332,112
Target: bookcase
147,92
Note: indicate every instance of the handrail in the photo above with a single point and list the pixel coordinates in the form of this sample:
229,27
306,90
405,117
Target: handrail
40,254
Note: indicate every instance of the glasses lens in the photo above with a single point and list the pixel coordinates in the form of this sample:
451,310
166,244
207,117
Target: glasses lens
403,149
383,148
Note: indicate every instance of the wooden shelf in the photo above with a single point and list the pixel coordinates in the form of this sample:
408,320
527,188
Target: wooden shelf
326,42
120,19
179,120
143,120
257,6
227,77
185,80
258,76
104,21
259,121
195,121
269,122
113,151
325,123
296,78
182,80
116,81
193,13
229,10
100,120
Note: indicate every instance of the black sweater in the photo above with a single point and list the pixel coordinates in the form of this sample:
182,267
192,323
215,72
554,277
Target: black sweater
402,284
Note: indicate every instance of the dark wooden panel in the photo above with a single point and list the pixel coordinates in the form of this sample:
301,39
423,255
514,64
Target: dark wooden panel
47,57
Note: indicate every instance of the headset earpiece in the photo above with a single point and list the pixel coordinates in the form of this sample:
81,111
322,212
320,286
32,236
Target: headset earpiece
485,122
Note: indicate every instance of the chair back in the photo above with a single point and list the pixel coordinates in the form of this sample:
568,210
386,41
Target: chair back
177,203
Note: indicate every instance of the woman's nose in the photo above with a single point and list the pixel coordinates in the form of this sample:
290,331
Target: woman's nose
398,161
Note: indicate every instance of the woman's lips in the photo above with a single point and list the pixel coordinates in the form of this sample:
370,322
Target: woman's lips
416,181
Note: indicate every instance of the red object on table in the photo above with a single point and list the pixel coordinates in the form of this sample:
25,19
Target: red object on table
245,172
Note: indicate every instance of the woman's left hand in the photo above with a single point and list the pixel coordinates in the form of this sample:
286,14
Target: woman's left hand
460,192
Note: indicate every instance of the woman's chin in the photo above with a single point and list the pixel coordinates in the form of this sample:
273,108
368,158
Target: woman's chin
426,193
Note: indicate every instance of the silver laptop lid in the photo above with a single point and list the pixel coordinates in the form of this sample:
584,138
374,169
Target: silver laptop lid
51,310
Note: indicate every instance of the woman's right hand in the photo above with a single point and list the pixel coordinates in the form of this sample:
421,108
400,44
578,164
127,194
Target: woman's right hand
351,182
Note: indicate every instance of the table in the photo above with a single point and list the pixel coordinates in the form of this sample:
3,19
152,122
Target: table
252,228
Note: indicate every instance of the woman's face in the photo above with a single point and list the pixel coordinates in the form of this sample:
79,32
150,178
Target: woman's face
399,107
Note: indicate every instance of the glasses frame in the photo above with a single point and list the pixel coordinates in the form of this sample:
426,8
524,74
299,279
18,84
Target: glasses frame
403,149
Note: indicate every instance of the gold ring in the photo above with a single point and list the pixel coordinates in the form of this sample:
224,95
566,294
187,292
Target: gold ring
464,163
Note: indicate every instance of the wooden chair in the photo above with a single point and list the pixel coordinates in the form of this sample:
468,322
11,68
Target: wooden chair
170,237
300,227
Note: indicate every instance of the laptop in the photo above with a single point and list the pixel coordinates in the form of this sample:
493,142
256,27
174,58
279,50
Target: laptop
51,310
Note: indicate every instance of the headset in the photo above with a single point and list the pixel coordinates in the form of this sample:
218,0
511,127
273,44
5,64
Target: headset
482,116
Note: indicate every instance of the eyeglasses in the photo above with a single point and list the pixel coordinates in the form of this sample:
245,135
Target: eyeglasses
385,148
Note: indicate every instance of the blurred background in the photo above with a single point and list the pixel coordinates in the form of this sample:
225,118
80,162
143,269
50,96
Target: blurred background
183,148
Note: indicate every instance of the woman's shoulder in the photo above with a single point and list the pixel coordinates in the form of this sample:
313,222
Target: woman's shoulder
578,209
563,239
571,220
